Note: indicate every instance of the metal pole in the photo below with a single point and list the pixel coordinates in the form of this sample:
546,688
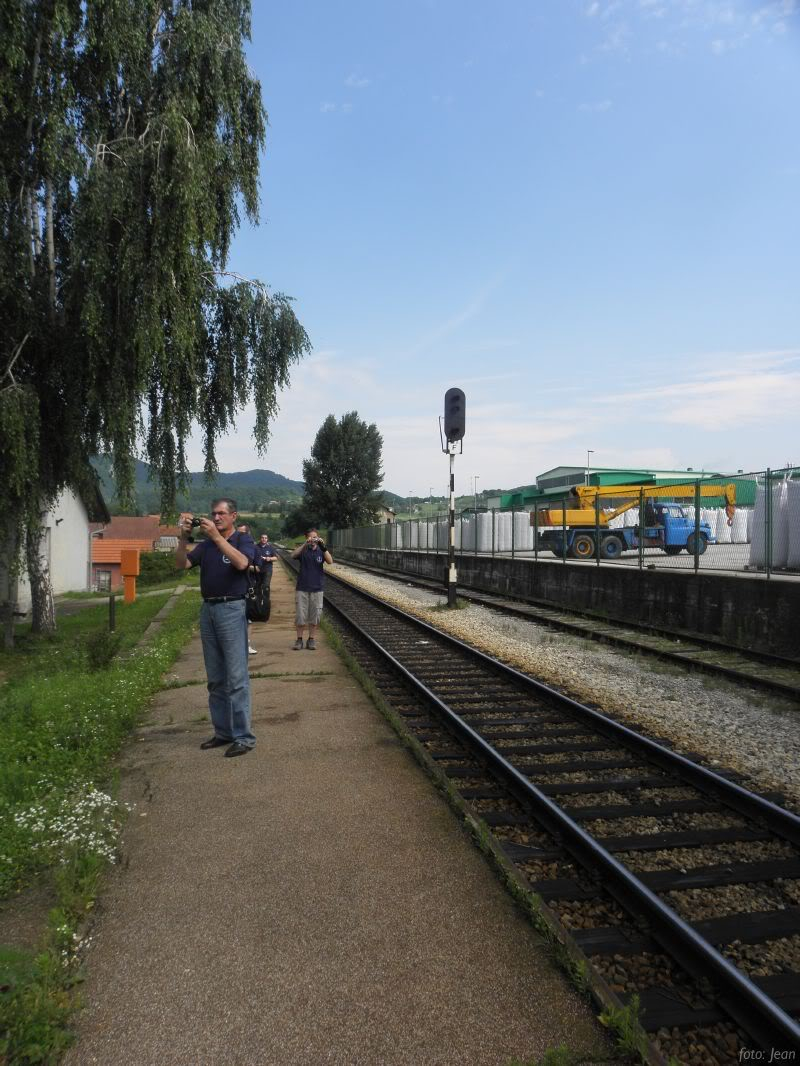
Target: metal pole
494,520
536,532
451,557
597,529
696,526
564,531
768,517
112,613
513,523
641,528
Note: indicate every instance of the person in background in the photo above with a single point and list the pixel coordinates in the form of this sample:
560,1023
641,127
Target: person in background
265,555
310,584
223,558
244,528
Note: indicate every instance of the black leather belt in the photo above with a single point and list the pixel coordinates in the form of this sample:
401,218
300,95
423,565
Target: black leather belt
221,599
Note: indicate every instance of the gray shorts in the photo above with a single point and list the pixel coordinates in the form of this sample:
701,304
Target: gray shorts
308,608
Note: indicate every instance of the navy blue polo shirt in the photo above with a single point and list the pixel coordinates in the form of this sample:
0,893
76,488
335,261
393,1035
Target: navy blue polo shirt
311,578
265,555
218,575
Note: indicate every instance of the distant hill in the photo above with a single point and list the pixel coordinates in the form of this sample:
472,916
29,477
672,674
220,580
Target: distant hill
252,489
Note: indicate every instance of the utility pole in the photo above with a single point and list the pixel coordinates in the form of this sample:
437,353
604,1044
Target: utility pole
475,494
589,454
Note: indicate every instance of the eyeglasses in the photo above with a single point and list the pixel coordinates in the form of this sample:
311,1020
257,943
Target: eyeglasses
218,514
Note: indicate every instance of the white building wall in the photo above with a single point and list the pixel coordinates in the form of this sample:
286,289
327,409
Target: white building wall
66,542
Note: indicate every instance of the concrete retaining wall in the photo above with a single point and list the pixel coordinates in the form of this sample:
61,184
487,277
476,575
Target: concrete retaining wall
743,611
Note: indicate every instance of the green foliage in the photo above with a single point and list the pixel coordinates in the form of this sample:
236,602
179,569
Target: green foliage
299,520
156,567
58,739
343,475
60,724
625,1024
252,490
100,648
131,134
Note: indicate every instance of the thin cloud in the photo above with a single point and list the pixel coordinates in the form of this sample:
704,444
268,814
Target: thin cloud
596,107
450,325
353,81
327,106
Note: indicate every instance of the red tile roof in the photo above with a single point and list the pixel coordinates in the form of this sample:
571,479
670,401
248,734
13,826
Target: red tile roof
148,528
107,551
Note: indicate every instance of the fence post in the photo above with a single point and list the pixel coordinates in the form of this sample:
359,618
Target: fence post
494,521
597,529
536,532
513,523
564,532
768,525
696,526
641,529
112,613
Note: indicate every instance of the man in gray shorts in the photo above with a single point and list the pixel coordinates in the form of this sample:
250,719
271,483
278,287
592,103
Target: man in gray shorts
310,583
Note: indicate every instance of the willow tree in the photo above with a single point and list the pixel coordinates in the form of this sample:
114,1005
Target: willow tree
131,132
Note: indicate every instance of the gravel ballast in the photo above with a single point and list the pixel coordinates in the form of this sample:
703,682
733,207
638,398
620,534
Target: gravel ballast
726,723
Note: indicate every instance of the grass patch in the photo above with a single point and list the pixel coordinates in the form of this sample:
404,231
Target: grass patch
191,578
36,656
63,718
459,606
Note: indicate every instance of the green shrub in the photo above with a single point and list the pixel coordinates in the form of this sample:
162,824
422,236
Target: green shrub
156,567
100,648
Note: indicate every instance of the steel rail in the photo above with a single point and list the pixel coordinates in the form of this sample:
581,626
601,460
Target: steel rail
528,609
764,1020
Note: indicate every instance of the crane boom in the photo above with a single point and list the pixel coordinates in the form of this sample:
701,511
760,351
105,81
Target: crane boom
585,513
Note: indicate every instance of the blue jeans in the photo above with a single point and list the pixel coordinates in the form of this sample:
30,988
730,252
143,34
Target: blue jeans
223,629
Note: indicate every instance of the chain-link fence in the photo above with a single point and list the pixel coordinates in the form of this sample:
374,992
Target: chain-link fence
748,523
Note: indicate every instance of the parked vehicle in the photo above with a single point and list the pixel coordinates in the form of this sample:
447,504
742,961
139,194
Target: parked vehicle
582,531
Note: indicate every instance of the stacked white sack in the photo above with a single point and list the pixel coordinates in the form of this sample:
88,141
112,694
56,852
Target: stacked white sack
485,532
739,529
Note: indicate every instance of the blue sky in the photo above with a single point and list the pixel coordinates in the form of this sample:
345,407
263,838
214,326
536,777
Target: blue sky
584,214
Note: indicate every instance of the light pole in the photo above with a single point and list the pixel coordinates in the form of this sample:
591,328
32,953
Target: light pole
475,494
430,500
589,454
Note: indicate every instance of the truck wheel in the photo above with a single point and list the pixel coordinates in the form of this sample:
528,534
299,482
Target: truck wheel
583,546
702,543
673,549
611,548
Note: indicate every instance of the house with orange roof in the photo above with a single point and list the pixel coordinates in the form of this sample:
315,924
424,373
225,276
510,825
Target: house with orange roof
108,541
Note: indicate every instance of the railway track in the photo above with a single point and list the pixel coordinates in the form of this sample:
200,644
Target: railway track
759,669
677,888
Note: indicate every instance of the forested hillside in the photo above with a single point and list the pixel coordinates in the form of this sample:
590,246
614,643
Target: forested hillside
252,489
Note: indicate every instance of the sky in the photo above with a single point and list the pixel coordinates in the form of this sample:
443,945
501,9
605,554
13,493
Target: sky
586,215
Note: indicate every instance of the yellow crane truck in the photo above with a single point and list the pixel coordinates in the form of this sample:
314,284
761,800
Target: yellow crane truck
580,531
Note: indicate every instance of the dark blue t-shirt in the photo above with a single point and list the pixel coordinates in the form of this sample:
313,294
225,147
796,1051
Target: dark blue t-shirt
218,575
311,577
265,556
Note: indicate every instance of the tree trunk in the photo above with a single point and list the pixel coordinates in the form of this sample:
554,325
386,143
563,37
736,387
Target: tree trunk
43,611
9,549
51,249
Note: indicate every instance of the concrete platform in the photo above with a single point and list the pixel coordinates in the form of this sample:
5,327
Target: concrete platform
312,902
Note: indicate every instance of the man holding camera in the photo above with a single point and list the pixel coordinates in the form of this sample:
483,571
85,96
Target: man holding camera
310,583
223,558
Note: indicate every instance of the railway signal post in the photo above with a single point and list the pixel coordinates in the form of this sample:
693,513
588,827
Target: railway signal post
455,404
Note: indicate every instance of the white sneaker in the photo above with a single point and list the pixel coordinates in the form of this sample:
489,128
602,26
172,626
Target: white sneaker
252,651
